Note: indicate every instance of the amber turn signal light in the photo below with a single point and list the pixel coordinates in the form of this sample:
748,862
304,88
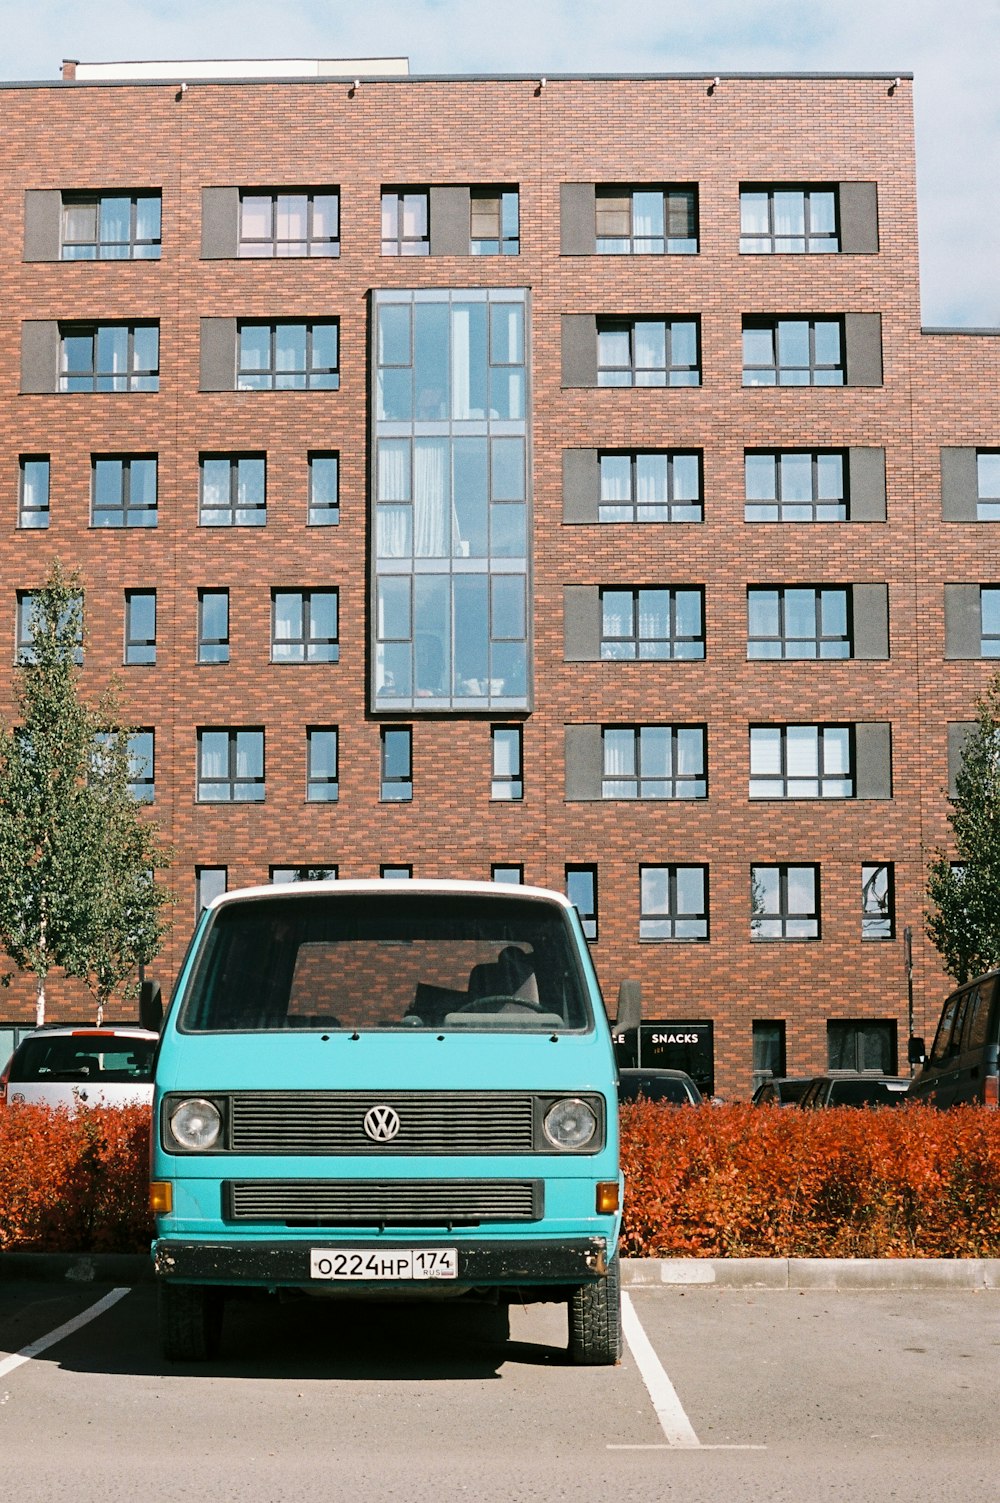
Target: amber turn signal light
607,1196
161,1197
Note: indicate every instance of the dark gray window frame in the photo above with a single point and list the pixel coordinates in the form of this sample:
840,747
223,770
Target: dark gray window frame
225,516
395,787
886,917
232,779
512,781
329,784
213,650
314,379
33,518
784,915
676,780
332,242
142,648
860,350
71,197
323,513
327,648
818,639
149,514
864,488
590,911
671,916
583,502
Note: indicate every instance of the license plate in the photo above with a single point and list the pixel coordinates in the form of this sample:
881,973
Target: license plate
383,1263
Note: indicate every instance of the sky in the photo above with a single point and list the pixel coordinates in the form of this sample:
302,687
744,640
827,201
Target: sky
952,49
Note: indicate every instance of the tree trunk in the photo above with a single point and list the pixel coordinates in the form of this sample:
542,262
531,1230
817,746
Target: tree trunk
40,1003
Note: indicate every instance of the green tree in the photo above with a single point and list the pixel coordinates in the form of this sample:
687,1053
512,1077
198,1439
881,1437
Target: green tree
64,840
963,921
124,908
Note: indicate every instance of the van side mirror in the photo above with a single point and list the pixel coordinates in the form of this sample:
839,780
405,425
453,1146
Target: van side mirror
629,1007
150,1006
915,1051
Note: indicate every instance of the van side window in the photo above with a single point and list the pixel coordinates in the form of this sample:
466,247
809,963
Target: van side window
977,1022
942,1039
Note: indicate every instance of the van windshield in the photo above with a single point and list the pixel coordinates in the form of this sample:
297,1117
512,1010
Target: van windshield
441,961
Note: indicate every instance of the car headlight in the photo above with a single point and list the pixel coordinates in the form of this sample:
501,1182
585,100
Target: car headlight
196,1123
570,1123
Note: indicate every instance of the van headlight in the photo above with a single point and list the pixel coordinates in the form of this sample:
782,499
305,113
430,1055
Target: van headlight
195,1123
570,1123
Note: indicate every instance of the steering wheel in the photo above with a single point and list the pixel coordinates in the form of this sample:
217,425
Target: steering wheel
498,1004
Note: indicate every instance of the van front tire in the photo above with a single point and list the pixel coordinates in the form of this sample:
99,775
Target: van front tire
595,1321
190,1322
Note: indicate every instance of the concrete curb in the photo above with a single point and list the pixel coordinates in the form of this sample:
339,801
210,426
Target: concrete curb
813,1273
637,1273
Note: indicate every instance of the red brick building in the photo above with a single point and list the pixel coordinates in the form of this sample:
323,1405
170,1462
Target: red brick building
549,477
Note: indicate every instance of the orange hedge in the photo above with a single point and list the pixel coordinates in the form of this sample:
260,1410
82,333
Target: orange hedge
733,1181
74,1183
741,1181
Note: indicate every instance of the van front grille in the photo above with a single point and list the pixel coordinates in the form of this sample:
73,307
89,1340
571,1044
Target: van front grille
371,1203
333,1122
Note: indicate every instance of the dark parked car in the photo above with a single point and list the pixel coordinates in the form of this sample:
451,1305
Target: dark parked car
672,1086
781,1090
855,1090
963,1066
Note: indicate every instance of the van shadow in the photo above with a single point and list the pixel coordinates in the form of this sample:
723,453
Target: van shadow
345,1340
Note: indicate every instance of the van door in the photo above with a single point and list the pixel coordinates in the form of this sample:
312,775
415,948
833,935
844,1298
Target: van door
942,1069
972,1047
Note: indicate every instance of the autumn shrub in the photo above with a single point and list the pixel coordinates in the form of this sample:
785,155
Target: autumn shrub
742,1181
74,1182
733,1181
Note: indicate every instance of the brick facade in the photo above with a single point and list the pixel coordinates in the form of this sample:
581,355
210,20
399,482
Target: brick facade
938,389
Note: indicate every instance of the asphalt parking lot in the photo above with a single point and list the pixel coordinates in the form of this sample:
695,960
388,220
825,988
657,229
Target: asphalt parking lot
760,1394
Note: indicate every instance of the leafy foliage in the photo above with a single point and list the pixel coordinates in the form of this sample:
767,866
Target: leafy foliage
964,920
75,857
746,1181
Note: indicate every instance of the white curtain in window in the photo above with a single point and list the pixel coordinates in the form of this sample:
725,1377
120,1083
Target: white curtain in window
432,522
460,365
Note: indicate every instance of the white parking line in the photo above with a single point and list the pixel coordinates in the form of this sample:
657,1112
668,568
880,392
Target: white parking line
673,1421
35,1348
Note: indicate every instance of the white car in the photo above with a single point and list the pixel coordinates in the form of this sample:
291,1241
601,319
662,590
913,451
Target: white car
79,1066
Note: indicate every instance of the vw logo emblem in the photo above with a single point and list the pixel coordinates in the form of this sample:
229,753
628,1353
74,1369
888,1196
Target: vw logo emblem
381,1124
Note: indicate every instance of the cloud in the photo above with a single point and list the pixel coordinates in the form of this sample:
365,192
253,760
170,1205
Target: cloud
951,51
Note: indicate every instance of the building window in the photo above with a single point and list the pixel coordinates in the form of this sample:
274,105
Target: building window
788,220
209,882
793,486
123,491
793,352
508,775
141,757
581,889
513,875
768,1051
289,356
652,624
798,622
405,222
784,902
324,489
878,901
801,761
304,626
495,230
109,357
646,221
451,528
213,626
110,227
233,490
25,647
322,754
654,761
231,766
987,485
989,598
140,627
33,491
650,486
283,223
280,875
397,764
647,352
396,873
862,1044
673,902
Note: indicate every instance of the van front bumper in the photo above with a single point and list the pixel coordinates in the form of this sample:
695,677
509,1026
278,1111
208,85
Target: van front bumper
572,1261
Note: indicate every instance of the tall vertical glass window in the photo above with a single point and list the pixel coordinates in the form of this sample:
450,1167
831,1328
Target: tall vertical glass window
451,500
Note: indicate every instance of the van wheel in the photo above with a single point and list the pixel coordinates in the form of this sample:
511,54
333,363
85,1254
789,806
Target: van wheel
190,1321
595,1321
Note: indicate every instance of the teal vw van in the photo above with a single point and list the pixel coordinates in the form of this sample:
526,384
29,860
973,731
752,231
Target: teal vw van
388,1087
